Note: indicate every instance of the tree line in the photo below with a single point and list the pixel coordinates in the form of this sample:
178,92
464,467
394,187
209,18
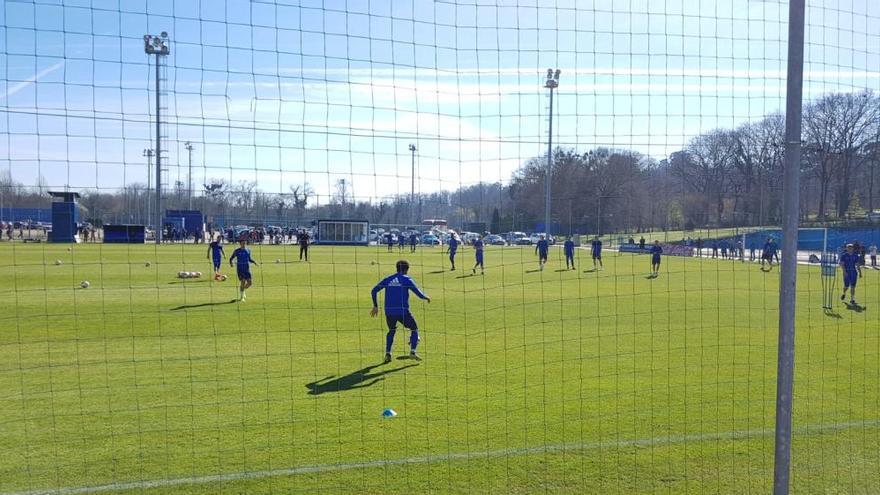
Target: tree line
720,178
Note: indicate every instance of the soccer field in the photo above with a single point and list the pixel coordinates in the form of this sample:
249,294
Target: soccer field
532,381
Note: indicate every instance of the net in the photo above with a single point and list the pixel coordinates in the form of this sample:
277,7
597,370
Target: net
328,140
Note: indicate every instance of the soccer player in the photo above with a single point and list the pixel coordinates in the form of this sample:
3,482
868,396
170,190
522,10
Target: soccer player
401,242
397,289
453,248
596,247
303,239
413,240
568,247
852,271
768,252
478,255
873,252
542,249
242,255
216,254
656,251
389,241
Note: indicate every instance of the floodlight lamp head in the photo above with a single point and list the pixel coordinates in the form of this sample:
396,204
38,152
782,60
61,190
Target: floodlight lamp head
412,147
556,75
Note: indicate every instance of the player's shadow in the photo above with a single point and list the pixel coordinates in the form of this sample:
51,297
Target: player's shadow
591,270
466,275
832,314
437,272
563,270
855,308
533,271
361,378
202,305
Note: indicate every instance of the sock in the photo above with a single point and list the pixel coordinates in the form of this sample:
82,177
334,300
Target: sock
389,340
413,340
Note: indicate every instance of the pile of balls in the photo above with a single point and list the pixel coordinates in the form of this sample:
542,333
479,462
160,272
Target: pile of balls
189,274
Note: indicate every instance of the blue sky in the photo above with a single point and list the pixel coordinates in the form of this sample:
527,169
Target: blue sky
286,92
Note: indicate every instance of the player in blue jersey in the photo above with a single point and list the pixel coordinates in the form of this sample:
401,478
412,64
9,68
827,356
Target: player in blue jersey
568,247
852,271
397,288
389,241
401,242
216,255
413,241
542,249
596,248
656,251
453,248
478,256
768,253
243,259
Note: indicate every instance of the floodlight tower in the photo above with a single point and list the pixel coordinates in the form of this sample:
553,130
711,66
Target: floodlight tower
551,84
158,46
149,154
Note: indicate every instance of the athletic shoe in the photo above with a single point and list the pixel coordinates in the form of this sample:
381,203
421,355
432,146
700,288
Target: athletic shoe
843,297
474,270
413,355
852,302
387,358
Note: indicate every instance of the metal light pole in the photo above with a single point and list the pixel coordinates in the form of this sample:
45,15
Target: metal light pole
788,275
158,46
149,154
551,84
412,194
189,175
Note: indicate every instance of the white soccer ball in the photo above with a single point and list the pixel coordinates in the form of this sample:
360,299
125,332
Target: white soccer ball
57,262
198,274
181,274
69,249
277,260
84,284
147,264
223,278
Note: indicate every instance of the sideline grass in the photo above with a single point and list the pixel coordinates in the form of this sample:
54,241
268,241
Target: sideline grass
147,377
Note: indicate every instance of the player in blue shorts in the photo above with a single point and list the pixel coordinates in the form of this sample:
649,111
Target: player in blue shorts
768,253
397,289
656,251
216,255
542,248
568,247
401,242
242,256
596,247
453,248
478,256
852,271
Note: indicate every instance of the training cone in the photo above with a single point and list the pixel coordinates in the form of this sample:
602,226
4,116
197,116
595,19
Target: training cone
389,413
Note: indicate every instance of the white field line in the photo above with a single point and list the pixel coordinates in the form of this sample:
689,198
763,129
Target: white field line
430,459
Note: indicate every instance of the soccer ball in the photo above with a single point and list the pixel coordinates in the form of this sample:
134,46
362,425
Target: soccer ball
57,262
277,260
373,262
181,274
197,274
84,284
223,278
68,249
147,264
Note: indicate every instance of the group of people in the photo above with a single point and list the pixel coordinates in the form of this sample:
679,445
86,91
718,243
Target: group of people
411,240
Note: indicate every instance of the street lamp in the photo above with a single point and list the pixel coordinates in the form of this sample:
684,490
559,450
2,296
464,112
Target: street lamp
158,46
412,194
551,84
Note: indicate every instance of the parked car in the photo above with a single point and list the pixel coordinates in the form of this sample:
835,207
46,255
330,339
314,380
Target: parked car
495,240
430,239
512,238
534,238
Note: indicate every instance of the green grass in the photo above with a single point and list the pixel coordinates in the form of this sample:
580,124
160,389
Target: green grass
663,385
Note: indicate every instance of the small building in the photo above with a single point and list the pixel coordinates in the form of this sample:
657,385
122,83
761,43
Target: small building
64,216
342,232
